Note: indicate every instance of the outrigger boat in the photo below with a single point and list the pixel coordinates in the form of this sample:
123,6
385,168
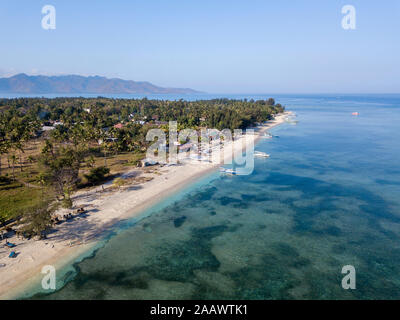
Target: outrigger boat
10,245
227,171
268,135
261,154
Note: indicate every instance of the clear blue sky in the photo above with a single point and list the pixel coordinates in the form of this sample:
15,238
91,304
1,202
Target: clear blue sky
285,46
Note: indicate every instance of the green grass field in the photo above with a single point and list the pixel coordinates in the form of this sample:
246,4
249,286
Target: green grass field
16,198
19,195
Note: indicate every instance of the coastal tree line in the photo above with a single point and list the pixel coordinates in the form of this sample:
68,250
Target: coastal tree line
86,128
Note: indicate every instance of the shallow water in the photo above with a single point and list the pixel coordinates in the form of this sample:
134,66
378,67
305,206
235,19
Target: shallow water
329,196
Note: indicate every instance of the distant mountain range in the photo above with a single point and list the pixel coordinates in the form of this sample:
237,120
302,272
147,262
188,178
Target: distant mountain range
69,84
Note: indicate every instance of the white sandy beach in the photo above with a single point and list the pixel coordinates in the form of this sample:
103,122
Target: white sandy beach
105,209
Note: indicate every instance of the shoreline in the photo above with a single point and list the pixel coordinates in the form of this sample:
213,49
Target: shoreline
105,211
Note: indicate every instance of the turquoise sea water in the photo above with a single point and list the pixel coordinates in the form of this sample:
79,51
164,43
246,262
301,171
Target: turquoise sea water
329,196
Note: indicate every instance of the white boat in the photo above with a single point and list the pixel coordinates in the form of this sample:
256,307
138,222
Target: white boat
227,171
261,154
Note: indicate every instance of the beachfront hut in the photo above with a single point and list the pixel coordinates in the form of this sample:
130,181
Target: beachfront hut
48,128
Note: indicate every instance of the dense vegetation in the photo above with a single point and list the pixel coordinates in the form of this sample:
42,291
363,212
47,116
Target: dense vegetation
218,113
85,130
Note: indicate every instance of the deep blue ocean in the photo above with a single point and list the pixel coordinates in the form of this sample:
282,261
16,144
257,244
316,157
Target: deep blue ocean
328,196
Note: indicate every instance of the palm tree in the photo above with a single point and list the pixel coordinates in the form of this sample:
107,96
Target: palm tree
14,160
3,141
41,178
119,182
30,159
21,161
3,150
